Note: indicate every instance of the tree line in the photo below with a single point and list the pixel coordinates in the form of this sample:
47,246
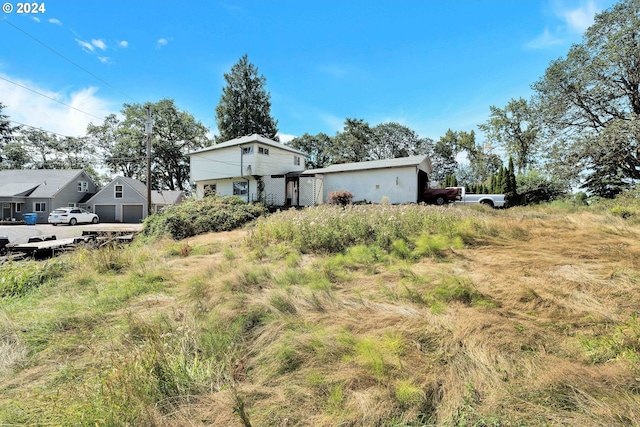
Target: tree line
580,128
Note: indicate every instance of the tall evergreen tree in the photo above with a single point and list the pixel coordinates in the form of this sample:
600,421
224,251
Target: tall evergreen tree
6,133
245,105
510,188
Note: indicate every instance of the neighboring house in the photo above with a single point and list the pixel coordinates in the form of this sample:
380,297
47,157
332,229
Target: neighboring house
400,180
252,167
125,200
41,191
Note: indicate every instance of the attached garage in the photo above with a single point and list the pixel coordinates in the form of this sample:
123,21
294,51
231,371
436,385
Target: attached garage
132,214
107,213
400,180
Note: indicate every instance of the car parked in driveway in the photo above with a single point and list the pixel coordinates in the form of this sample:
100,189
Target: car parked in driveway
72,216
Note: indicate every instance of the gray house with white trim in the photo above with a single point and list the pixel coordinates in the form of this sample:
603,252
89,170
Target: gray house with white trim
125,200
41,191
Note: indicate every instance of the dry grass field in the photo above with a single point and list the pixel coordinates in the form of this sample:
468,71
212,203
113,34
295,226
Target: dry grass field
519,317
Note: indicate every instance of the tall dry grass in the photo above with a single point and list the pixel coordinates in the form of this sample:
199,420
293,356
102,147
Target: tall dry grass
442,317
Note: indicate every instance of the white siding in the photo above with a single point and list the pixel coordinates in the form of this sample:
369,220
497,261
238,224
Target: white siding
399,185
224,187
227,163
216,164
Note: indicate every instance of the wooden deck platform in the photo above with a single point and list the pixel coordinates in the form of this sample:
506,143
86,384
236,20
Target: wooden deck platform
44,245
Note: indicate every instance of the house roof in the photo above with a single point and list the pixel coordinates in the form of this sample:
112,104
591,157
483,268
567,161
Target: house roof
247,140
168,197
373,164
45,183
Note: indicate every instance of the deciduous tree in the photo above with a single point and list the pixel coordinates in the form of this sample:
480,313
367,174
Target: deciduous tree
392,140
589,102
515,129
175,133
318,148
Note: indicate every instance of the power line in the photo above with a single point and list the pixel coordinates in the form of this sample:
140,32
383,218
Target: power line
67,59
44,130
53,99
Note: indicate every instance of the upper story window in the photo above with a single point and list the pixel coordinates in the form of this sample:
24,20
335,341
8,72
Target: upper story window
263,150
296,160
83,186
118,191
247,150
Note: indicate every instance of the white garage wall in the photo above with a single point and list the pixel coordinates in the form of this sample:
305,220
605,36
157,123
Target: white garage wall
399,185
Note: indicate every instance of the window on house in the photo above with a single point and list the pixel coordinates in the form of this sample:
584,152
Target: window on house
209,190
247,150
296,160
18,207
240,188
263,150
83,186
40,207
118,191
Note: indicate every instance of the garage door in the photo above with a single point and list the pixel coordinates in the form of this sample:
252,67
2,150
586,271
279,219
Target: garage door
107,213
132,213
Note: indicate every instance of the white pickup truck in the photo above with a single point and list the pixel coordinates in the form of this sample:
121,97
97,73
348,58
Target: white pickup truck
493,200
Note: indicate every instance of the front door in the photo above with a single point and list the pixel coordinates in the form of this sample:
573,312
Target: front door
6,211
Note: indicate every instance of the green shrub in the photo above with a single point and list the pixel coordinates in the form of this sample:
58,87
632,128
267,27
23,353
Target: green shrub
206,215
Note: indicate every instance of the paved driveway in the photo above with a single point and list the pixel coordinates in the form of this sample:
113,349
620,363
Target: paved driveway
21,233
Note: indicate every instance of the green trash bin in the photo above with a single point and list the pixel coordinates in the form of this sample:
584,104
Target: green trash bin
30,218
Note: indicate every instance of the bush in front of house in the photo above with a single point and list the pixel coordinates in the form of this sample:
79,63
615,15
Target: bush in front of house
341,197
193,217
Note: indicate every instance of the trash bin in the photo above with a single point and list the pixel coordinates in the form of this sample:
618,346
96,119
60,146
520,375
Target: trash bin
30,218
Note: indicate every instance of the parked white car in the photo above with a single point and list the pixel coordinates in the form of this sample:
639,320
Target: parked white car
72,216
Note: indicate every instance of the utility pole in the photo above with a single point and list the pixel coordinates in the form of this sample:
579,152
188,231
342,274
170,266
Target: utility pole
148,129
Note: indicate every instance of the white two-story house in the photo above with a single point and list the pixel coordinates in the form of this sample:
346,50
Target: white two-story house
252,167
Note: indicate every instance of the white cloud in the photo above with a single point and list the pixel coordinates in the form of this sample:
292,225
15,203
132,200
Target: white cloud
545,40
163,42
35,18
55,21
103,59
569,22
336,123
284,138
99,43
85,45
123,44
32,109
581,18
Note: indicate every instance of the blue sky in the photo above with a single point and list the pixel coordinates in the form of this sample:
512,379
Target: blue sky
431,65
